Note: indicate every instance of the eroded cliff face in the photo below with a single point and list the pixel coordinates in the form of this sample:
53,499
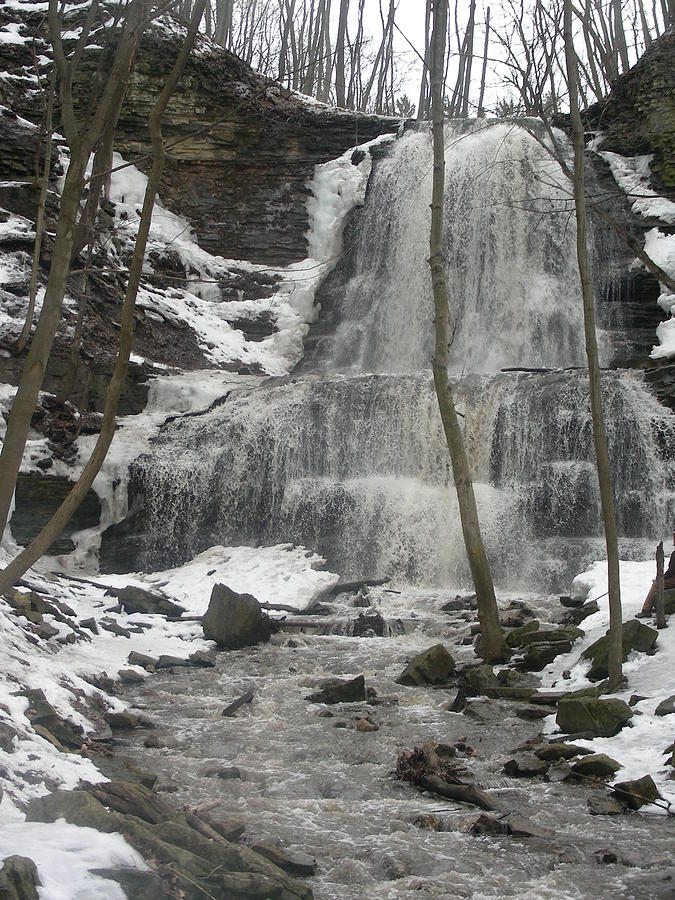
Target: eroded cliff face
241,149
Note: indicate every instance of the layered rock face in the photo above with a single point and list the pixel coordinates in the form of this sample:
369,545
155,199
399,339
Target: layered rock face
241,149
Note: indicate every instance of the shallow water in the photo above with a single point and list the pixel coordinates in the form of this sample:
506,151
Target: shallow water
329,791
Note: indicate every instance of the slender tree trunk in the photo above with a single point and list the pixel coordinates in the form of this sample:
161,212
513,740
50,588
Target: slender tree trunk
424,84
340,95
599,434
481,112
50,315
77,494
493,646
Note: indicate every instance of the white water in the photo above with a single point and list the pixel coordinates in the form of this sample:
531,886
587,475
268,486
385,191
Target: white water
355,465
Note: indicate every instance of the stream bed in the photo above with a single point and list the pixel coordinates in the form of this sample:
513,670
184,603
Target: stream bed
301,774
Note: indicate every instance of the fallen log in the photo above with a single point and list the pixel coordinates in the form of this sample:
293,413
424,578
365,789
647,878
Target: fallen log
466,793
238,703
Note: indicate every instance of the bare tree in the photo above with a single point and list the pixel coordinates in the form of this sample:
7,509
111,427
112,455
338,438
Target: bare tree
493,647
599,433
77,494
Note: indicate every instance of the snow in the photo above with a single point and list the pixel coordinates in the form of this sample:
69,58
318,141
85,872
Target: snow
661,247
640,748
9,34
64,855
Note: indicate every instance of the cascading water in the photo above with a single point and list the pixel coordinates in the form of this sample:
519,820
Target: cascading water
349,459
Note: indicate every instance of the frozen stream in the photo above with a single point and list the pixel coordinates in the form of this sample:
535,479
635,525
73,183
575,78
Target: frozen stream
318,785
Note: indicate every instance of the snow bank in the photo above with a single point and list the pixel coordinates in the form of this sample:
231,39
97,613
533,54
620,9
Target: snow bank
640,748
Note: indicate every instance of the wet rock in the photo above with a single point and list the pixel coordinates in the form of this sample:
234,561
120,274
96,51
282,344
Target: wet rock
122,721
514,637
90,625
478,681
136,599
202,659
137,884
161,742
46,631
666,707
525,765
7,735
596,765
560,750
171,662
539,655
338,691
460,602
116,629
147,779
601,805
636,793
365,725
130,676
571,602
532,713
218,770
577,616
42,714
369,626
432,666
602,718
635,699
566,634
19,879
488,825
235,620
428,822
635,636
302,865
141,659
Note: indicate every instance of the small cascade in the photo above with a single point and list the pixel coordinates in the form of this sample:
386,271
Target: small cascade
349,458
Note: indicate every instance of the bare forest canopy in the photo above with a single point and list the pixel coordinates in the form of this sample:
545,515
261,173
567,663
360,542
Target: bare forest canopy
506,60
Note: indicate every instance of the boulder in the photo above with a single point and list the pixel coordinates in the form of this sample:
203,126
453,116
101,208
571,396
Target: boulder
296,863
525,765
141,659
635,636
577,616
136,599
19,879
539,655
596,765
602,805
7,735
338,691
369,626
666,707
42,714
514,637
559,750
602,718
549,636
235,620
432,666
669,601
637,793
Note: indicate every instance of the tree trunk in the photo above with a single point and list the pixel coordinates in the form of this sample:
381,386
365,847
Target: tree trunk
481,112
493,646
64,513
340,95
50,315
599,434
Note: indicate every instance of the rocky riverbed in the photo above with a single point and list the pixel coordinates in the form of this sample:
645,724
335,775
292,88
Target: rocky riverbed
320,782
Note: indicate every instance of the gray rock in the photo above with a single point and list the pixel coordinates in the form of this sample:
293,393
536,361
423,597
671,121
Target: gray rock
539,655
601,805
130,676
666,707
432,666
42,714
122,721
339,691
577,616
19,879
596,765
202,659
302,865
171,662
635,636
141,659
638,792
525,765
90,624
136,599
235,620
7,735
560,750
602,718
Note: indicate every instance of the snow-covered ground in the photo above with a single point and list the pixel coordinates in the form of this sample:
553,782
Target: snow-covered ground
640,748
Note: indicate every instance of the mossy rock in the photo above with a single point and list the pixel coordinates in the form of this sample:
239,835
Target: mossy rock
538,656
669,601
638,792
479,681
19,879
635,636
602,718
516,635
551,636
559,750
433,666
596,765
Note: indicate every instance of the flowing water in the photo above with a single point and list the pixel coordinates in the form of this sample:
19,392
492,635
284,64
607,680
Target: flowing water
347,457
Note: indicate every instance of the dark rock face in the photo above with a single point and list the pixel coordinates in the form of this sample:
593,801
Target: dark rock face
37,499
603,718
596,765
666,707
639,114
637,793
234,620
240,150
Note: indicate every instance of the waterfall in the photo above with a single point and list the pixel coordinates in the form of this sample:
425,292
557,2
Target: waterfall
349,457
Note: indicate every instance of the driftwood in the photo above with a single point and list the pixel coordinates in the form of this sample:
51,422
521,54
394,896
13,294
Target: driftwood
238,703
432,768
349,587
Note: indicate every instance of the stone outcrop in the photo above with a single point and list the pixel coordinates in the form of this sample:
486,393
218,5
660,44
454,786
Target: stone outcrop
433,666
635,636
234,620
601,718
